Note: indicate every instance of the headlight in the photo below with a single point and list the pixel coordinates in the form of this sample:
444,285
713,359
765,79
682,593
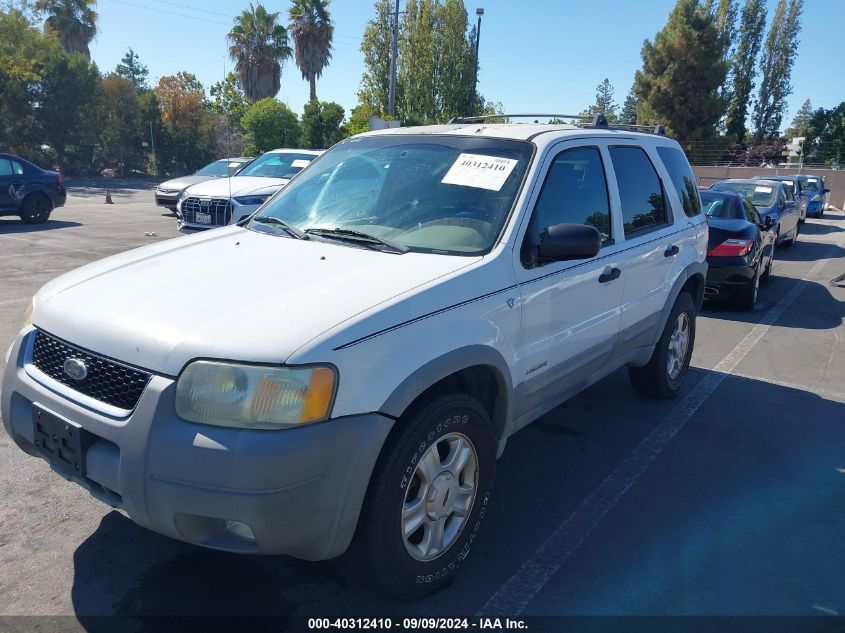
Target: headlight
27,316
250,201
255,396
816,198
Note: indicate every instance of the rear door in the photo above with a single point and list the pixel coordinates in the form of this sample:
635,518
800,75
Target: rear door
8,178
791,212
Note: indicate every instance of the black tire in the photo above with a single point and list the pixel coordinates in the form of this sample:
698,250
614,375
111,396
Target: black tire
381,545
767,272
791,241
745,297
36,208
653,379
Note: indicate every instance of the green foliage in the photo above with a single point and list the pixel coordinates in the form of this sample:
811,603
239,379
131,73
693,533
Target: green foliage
744,67
604,103
312,30
321,124
259,46
682,72
435,67
131,69
269,124
228,99
779,52
184,140
73,22
121,131
826,136
801,122
628,114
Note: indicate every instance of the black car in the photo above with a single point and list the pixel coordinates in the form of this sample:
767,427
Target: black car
740,250
29,191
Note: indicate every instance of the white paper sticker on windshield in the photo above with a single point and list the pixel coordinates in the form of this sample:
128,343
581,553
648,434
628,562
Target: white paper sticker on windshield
234,164
812,180
788,182
300,162
480,171
763,189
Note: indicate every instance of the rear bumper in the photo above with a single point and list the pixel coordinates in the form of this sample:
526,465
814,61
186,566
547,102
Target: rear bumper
723,278
59,197
299,491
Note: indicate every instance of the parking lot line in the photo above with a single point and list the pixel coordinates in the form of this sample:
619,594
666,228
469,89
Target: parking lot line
520,589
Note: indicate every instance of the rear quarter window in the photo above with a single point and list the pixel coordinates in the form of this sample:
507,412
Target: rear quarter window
682,178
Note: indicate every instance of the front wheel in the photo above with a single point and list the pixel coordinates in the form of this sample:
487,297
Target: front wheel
662,376
428,496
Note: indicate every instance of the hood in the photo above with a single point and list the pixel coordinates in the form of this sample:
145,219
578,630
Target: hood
229,293
183,182
237,186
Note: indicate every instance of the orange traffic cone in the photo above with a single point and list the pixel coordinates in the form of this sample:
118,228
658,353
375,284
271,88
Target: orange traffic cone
108,197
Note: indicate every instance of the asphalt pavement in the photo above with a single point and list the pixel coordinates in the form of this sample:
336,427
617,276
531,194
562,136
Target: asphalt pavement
729,500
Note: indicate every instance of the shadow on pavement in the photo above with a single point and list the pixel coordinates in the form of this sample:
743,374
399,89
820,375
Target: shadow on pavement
96,187
15,225
742,450
813,228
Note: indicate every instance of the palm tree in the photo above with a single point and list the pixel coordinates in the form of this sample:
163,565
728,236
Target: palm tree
74,22
312,30
259,46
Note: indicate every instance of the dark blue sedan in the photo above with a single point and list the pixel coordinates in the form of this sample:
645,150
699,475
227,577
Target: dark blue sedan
771,198
29,191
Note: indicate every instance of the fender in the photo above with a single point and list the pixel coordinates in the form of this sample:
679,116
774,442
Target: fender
452,362
695,268
30,188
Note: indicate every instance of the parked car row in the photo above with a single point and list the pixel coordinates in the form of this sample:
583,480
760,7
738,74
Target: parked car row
748,219
167,193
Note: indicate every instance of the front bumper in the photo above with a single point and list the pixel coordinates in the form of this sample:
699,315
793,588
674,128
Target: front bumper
167,200
724,278
815,208
299,491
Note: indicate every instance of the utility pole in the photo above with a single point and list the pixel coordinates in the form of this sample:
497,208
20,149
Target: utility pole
394,53
479,12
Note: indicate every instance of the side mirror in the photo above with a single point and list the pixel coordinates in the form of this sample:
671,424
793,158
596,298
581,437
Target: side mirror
562,242
768,222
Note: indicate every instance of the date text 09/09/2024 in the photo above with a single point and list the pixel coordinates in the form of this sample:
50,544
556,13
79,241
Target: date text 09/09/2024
417,624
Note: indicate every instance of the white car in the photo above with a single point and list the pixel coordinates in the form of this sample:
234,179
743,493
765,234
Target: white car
352,360
223,201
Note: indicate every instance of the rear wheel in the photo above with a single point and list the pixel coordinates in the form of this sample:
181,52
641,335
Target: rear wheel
767,273
428,495
662,376
36,208
746,296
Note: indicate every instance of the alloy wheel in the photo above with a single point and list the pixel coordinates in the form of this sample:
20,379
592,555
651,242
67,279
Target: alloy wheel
678,346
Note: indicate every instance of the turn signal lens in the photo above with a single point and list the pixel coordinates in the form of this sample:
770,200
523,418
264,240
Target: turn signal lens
732,248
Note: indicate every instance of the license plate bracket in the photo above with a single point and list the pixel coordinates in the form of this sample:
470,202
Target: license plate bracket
60,441
203,218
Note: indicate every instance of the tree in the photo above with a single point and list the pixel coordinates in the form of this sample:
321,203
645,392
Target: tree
228,99
269,124
74,22
321,124
826,135
628,114
375,47
259,46
312,31
185,139
604,102
120,130
681,75
418,70
779,54
743,67
131,69
801,122
455,71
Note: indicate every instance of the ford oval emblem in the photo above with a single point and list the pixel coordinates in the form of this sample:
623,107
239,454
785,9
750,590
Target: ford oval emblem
76,369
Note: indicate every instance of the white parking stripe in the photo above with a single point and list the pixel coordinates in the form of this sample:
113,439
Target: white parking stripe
518,591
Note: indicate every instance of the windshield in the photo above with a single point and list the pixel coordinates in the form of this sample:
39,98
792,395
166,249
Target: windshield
442,194
760,195
716,206
811,184
220,168
277,165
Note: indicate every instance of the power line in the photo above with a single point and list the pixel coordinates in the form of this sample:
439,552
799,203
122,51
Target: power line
190,8
183,15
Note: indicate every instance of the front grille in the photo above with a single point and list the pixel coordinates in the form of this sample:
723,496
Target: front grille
220,210
107,380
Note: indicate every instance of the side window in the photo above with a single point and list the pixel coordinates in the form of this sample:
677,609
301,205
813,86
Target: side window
6,167
574,192
640,190
751,212
781,198
17,167
788,191
683,179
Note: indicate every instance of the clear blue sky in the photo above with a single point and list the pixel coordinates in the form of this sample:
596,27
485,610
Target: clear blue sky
536,55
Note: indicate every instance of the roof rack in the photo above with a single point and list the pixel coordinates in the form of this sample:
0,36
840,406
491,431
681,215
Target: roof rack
584,120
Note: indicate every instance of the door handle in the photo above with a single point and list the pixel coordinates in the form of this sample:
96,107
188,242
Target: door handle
609,274
671,251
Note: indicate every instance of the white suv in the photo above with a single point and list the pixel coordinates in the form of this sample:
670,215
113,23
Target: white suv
352,360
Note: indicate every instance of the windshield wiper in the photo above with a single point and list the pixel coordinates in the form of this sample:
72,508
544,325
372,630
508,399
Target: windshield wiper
287,228
358,236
